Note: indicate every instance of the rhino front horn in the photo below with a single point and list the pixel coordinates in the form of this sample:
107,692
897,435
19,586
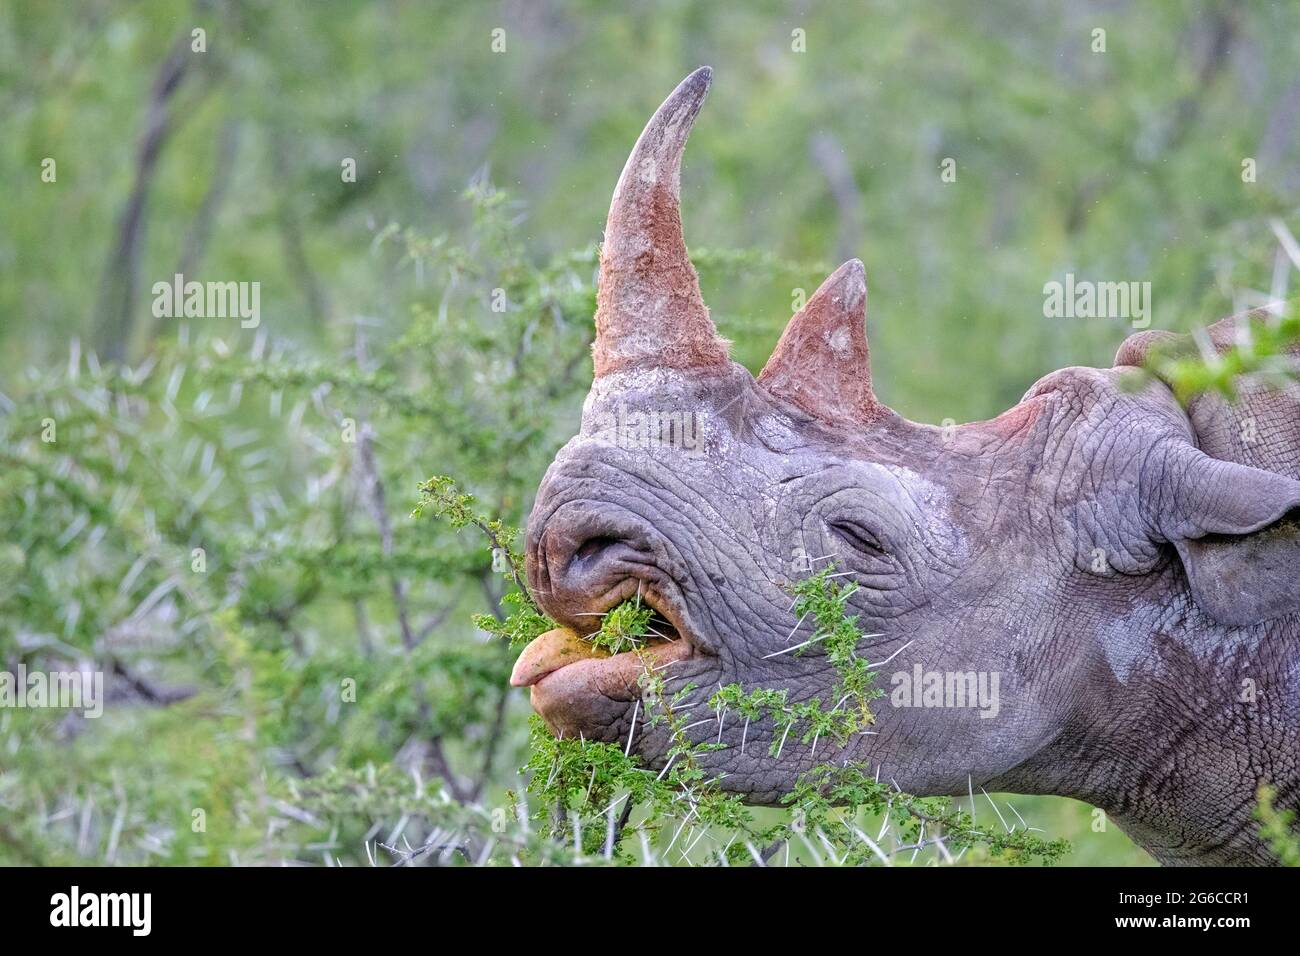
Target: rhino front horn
649,311
822,363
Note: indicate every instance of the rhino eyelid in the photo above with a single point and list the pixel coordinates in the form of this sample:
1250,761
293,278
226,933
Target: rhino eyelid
858,536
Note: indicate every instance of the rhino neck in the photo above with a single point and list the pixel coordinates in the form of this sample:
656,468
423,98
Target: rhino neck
1173,721
1181,722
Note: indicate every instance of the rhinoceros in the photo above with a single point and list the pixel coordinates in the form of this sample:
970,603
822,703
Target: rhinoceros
1124,568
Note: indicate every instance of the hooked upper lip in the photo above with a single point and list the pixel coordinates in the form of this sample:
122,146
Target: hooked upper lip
564,647
580,690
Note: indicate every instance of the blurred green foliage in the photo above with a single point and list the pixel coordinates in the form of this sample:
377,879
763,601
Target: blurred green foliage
309,688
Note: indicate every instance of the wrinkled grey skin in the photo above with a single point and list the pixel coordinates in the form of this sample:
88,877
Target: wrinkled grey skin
976,548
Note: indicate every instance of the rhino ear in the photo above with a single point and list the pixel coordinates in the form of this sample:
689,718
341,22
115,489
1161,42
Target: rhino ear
1237,531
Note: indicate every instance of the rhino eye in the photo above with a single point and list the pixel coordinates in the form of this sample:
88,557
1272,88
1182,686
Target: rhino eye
859,537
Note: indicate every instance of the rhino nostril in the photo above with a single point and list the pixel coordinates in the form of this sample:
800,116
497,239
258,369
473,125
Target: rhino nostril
593,547
584,552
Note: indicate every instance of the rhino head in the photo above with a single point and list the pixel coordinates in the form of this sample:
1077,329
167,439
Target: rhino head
1081,556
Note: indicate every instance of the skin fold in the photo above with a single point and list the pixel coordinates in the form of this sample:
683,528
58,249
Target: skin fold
1128,568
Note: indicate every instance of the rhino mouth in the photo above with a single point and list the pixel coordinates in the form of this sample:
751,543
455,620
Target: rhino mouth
578,688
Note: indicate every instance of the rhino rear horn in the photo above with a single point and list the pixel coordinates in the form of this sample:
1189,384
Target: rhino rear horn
822,363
